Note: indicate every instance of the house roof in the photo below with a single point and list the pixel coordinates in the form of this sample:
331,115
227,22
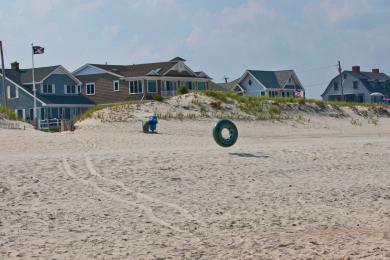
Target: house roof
117,69
217,86
153,69
66,99
178,59
374,82
24,76
272,79
229,85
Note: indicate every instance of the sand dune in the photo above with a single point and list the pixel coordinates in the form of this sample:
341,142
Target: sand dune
286,190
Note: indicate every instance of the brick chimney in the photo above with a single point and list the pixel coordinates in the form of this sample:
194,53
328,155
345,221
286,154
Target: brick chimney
355,68
375,71
15,65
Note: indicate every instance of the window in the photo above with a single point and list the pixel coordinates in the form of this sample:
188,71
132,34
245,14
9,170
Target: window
288,94
201,85
190,85
263,93
116,85
12,92
336,86
20,113
90,89
250,82
170,85
152,86
135,87
72,89
355,85
345,75
48,89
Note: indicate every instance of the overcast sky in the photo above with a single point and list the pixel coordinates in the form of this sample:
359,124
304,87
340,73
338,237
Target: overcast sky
223,37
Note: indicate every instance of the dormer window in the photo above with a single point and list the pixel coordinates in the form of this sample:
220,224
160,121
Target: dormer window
72,89
48,89
116,85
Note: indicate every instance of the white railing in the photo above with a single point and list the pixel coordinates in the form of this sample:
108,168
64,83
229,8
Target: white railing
55,124
168,93
49,123
9,125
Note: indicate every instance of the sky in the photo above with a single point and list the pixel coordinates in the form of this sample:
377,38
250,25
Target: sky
220,37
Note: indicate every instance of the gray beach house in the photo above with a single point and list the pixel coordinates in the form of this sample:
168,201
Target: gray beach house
359,86
57,96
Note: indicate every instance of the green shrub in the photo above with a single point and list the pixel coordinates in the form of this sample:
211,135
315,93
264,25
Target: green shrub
8,113
274,110
158,97
182,90
320,103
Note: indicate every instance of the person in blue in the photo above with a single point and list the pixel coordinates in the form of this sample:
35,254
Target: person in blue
153,123
150,126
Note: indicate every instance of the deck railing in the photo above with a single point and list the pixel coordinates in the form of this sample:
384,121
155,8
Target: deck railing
55,124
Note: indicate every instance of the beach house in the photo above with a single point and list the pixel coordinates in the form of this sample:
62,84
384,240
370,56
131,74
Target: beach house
105,83
57,93
283,83
359,86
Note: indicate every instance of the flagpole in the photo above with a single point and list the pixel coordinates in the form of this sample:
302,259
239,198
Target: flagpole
4,76
34,88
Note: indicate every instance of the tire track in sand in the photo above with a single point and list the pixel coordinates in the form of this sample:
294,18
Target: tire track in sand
139,195
148,211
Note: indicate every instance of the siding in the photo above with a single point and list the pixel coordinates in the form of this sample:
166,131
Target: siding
348,88
104,89
24,101
254,89
59,80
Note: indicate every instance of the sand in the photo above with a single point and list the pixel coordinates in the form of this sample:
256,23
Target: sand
286,190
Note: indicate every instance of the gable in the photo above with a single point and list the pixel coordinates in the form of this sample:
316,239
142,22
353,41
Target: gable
180,69
89,70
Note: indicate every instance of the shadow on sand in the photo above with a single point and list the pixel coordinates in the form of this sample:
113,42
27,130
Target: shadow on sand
249,155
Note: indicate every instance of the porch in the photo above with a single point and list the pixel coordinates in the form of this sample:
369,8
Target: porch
169,88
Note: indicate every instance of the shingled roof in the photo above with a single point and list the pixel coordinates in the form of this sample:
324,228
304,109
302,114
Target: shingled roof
374,82
150,69
272,79
23,76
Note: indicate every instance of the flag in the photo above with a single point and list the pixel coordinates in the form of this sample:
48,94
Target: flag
38,50
299,94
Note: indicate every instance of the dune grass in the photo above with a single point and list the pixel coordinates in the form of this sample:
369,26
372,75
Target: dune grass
225,96
90,112
8,113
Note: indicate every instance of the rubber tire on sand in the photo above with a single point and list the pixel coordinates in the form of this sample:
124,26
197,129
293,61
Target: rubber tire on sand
233,133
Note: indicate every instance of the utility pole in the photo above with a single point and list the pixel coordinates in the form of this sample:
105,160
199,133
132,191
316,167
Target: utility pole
3,77
226,78
341,82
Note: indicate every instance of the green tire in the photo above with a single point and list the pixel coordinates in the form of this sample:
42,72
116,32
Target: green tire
233,133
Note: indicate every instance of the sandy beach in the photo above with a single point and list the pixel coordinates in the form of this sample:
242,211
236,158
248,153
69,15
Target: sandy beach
318,190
